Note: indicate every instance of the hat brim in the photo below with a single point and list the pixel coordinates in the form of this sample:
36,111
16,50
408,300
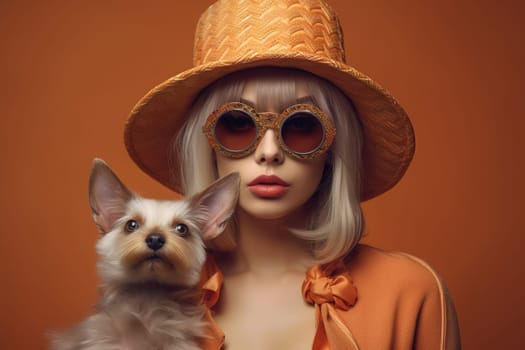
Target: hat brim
389,141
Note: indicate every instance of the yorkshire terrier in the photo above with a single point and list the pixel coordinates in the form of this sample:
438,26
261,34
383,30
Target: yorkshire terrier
151,253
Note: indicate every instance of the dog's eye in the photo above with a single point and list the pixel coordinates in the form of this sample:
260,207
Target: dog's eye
132,225
182,230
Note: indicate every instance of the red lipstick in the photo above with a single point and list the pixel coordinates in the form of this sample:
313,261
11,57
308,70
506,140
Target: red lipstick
268,186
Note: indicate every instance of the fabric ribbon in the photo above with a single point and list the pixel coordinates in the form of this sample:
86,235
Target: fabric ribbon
330,289
211,283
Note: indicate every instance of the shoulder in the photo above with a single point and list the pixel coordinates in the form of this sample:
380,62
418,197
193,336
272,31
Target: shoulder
406,290
403,271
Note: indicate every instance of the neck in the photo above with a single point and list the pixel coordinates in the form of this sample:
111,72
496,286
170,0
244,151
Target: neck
267,248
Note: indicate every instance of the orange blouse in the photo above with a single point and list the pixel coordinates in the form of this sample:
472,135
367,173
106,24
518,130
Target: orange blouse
372,300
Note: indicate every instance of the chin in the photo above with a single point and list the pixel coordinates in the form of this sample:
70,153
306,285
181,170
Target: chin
271,210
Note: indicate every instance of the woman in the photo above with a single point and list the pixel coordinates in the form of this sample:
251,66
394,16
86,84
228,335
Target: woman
271,97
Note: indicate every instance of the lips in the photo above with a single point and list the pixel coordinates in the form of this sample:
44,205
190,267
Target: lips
153,256
268,186
156,259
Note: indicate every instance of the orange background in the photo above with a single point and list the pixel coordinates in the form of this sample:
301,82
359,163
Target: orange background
70,73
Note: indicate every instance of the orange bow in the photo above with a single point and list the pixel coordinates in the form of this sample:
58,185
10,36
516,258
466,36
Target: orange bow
211,283
330,289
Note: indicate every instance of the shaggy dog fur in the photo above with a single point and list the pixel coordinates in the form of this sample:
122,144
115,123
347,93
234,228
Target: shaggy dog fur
150,257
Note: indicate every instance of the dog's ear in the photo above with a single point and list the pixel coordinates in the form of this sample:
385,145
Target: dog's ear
108,197
219,201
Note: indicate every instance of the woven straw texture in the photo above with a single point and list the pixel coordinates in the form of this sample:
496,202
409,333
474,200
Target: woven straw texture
269,27
233,35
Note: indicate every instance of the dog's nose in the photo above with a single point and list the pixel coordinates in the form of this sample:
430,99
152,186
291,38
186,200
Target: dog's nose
155,241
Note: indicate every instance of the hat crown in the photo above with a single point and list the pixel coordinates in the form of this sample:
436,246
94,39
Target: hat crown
232,30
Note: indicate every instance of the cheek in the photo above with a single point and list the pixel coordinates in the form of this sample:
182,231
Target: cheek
226,165
308,180
316,168
223,164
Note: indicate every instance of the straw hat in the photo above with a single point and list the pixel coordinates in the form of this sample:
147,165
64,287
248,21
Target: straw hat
233,35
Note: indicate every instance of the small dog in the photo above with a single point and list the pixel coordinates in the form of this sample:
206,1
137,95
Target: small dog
150,257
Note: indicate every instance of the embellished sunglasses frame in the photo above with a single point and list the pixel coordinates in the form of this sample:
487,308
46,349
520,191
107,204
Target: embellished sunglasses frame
269,120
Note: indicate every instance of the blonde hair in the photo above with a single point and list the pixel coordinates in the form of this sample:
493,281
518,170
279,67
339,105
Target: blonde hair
336,222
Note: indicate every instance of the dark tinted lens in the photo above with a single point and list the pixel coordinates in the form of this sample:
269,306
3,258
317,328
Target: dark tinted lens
235,130
302,132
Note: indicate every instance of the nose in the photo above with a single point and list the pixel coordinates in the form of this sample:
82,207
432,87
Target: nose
268,150
155,241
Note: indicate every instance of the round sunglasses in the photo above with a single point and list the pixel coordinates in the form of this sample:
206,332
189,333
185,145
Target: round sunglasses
303,130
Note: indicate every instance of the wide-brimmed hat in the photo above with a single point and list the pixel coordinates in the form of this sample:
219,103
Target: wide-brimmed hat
233,35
